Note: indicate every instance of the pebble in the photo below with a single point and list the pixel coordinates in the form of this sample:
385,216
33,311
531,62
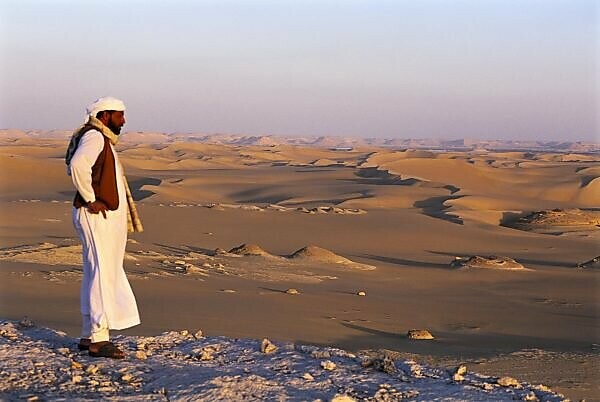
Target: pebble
457,377
64,351
361,293
26,323
127,377
198,334
76,379
308,377
531,397
76,365
92,369
292,291
267,347
342,398
507,382
419,334
141,355
328,365
320,354
459,373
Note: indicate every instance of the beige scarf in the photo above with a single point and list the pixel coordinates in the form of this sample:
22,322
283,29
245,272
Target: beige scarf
134,224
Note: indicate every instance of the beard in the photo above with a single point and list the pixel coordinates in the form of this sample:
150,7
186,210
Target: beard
114,128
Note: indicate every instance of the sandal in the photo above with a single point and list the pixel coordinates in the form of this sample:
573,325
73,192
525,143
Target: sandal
84,344
107,349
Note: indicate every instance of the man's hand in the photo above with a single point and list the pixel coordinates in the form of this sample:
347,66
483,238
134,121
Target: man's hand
96,207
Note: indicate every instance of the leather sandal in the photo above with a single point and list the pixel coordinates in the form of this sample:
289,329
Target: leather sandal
84,344
107,349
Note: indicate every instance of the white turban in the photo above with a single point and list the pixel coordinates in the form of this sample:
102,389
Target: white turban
107,103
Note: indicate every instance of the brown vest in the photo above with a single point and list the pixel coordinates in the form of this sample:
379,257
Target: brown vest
104,178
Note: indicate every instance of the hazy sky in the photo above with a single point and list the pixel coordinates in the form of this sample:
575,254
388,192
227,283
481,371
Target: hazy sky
521,69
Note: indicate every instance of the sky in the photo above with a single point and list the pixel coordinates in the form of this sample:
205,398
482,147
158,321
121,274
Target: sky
487,69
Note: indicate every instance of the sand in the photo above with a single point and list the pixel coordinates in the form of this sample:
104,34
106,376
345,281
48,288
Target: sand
389,223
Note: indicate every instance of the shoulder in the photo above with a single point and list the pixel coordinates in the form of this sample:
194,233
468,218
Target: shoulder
93,136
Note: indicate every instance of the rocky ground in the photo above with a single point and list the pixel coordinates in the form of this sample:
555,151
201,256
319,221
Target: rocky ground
42,364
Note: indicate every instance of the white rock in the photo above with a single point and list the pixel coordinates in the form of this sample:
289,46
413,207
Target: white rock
361,293
320,354
457,377
292,291
419,334
308,377
342,398
266,346
26,323
507,382
531,397
92,369
461,370
127,377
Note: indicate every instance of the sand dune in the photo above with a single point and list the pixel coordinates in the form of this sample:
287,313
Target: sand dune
406,212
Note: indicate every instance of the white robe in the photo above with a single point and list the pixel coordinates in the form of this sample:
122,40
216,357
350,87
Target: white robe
105,291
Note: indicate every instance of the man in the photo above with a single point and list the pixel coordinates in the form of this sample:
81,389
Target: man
100,216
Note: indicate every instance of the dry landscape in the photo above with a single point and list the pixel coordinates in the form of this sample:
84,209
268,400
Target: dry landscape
335,244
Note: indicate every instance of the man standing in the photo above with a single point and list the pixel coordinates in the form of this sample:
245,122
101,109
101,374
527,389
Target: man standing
100,216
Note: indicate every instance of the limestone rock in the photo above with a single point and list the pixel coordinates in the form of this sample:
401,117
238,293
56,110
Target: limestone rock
489,262
249,250
308,377
593,263
267,347
507,382
419,334
459,373
26,323
92,369
342,398
126,377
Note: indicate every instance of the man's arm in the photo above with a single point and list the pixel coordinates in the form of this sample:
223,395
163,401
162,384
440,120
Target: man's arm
90,146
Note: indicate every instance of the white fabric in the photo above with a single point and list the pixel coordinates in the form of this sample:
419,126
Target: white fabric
106,103
90,146
105,291
101,334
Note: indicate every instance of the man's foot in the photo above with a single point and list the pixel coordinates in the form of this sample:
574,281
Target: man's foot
84,344
105,349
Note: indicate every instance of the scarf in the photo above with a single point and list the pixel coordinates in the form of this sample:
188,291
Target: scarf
134,223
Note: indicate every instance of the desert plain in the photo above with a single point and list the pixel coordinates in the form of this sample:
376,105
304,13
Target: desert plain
494,252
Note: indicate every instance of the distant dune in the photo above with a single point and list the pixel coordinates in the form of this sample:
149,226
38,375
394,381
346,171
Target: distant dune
325,141
364,233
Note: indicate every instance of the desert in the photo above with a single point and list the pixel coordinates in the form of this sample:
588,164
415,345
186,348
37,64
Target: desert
333,249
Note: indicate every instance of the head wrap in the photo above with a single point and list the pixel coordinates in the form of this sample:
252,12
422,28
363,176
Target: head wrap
106,103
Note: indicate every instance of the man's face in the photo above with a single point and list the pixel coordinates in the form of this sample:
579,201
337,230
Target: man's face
116,120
